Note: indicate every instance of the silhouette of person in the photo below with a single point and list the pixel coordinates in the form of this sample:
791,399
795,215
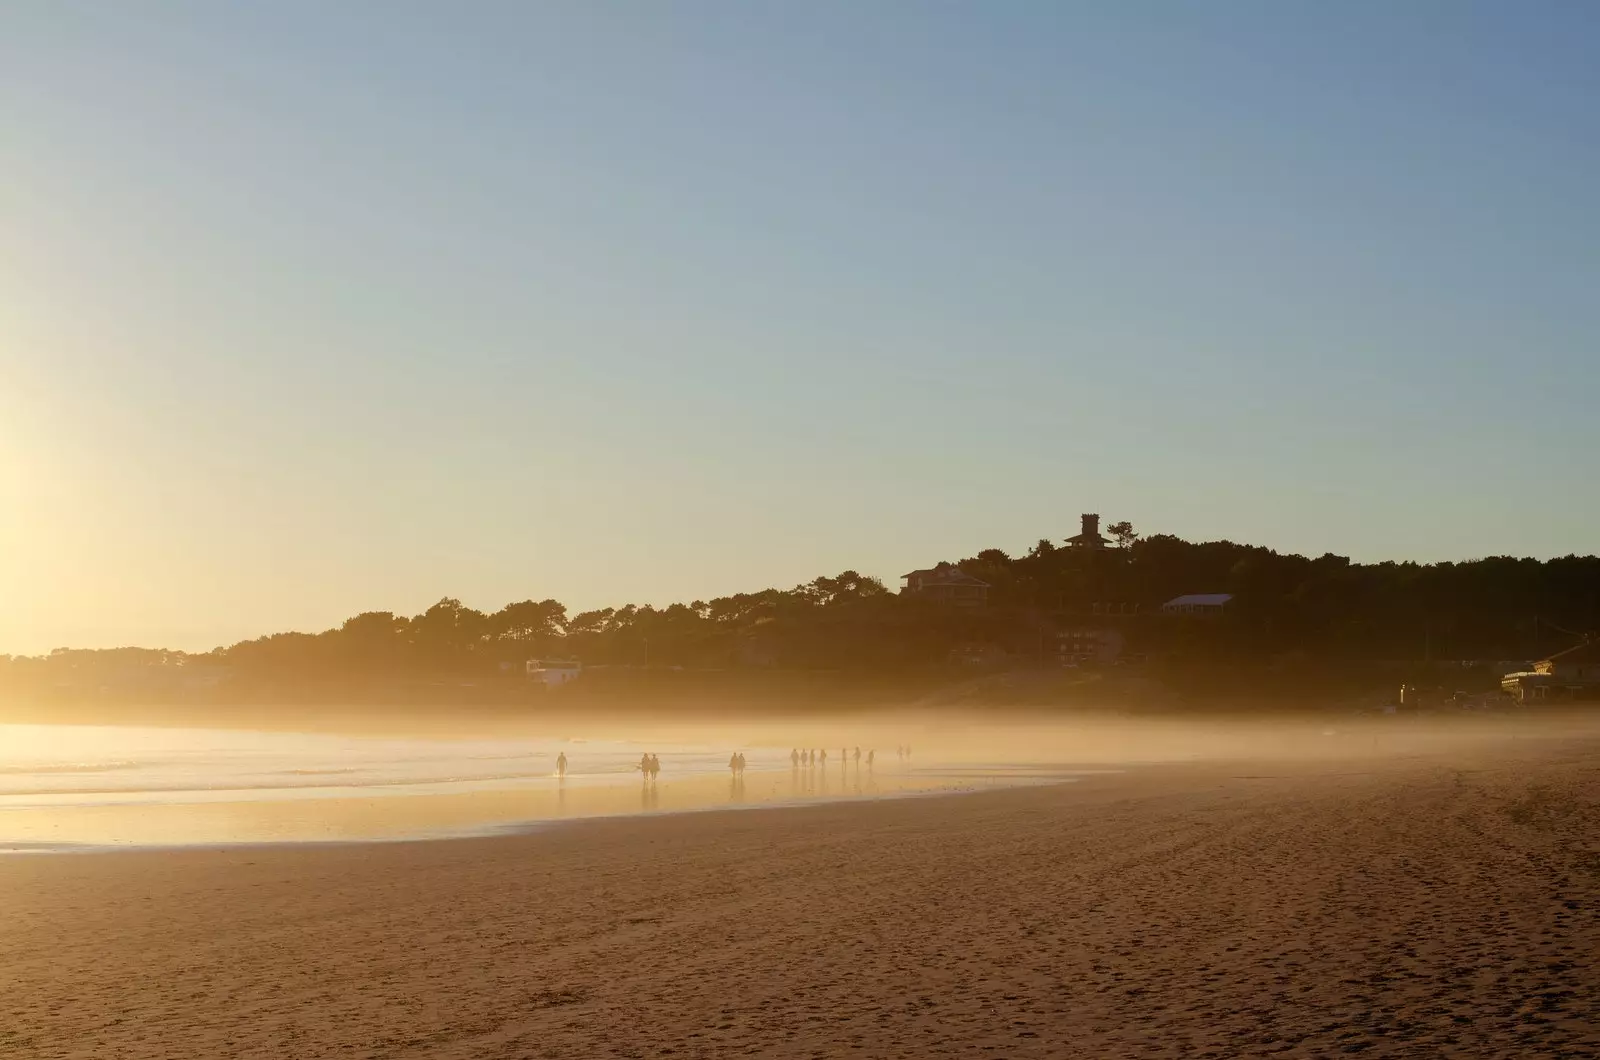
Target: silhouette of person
794,758
822,756
740,756
655,765
870,753
644,765
561,764
858,756
733,762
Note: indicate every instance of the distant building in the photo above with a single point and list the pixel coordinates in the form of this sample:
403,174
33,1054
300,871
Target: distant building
977,653
947,583
1526,686
1206,605
1570,674
1578,665
553,672
1076,645
1089,537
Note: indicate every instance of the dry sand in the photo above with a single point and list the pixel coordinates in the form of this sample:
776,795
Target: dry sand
1438,906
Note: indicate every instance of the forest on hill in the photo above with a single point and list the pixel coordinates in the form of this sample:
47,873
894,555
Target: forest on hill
1290,611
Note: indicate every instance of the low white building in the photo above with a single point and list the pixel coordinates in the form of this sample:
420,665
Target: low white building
554,672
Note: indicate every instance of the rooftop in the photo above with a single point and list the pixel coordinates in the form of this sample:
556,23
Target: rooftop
946,573
1578,654
1199,600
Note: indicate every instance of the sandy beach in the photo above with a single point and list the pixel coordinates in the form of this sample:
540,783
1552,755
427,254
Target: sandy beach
1441,905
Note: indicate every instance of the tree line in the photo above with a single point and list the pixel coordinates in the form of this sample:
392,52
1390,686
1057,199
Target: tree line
1325,608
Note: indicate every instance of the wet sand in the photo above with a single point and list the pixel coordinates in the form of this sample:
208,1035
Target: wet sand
346,815
1423,906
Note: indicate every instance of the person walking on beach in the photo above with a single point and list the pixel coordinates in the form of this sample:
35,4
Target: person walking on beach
858,756
655,765
794,758
644,765
822,757
870,753
561,764
740,756
733,763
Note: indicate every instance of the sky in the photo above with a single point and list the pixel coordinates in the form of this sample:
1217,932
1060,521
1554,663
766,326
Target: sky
310,309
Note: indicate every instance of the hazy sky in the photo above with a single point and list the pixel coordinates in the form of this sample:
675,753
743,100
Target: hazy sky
312,308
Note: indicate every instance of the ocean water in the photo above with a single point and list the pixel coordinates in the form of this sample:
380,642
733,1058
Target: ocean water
43,765
84,788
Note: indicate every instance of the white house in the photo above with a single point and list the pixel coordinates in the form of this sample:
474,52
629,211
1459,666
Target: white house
1206,604
554,672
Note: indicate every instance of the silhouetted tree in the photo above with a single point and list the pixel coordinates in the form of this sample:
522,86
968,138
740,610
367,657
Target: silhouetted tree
528,619
1285,607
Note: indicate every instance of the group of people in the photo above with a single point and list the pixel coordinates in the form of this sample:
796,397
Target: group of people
650,764
798,758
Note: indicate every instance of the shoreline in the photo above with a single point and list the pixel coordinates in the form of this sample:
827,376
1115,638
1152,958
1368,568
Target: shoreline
357,816
522,829
1140,775
385,807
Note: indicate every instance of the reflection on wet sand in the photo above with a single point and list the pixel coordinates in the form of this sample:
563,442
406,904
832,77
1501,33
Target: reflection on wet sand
461,813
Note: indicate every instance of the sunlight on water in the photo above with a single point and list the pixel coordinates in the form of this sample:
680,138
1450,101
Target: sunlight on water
76,787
